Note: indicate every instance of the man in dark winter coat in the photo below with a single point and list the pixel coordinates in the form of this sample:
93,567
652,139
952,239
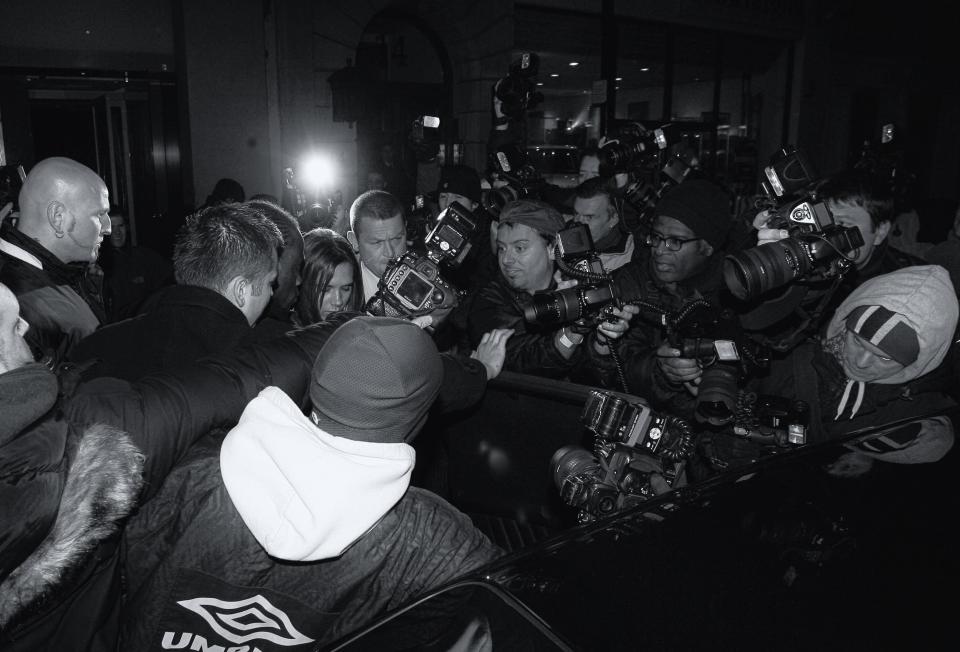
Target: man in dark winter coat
225,264
301,528
74,466
44,257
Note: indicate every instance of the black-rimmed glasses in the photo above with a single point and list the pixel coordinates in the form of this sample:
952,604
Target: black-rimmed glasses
672,243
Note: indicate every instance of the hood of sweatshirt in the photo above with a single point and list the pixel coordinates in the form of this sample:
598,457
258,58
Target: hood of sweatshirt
925,298
305,494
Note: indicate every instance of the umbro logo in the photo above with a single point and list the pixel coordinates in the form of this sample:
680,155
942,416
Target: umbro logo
251,620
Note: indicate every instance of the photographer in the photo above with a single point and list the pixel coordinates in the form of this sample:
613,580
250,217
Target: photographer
684,253
594,206
854,198
525,253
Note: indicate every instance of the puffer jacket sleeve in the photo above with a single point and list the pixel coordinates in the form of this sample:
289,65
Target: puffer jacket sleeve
166,413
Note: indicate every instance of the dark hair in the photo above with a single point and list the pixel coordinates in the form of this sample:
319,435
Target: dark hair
219,243
323,251
863,189
374,204
287,223
596,186
225,191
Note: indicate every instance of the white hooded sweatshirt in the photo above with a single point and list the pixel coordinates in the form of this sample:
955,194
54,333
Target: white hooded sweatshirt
307,495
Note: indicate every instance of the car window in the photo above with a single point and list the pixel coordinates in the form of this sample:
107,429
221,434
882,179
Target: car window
465,616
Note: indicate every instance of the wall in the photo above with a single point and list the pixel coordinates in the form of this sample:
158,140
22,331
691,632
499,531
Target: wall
226,93
96,34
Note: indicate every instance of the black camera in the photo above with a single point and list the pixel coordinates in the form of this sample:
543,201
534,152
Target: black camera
634,144
512,165
630,444
766,417
517,91
817,248
727,356
412,285
591,300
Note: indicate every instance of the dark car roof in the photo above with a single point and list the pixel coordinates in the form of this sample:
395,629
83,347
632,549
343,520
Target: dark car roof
777,555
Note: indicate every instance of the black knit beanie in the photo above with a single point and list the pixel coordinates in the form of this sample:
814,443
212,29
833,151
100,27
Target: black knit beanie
702,206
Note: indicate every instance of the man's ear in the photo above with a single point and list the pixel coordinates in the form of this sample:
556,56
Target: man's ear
56,216
238,291
552,249
706,248
881,233
352,239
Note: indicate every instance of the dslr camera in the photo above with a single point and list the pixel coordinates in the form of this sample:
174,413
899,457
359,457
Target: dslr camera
630,444
817,248
587,303
726,355
512,165
412,285
517,91
766,417
634,144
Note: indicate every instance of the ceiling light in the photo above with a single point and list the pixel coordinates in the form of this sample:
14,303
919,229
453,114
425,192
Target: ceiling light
554,74
644,69
539,83
574,64
618,79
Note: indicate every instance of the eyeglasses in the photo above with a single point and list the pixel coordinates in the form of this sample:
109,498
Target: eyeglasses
653,241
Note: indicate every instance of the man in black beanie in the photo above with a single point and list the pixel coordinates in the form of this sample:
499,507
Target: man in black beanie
684,254
304,524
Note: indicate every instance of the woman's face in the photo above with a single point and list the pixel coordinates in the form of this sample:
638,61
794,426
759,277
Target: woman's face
338,291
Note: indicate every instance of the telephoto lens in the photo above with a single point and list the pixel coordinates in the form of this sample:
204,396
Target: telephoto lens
717,394
753,272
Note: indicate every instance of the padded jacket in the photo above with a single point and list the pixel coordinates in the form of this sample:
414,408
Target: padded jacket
73,468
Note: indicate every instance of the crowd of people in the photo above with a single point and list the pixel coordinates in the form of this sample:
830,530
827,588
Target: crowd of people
237,421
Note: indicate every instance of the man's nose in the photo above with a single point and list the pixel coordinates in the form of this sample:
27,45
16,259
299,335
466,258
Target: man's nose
105,226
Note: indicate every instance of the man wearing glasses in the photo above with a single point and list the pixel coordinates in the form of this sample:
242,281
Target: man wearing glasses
684,254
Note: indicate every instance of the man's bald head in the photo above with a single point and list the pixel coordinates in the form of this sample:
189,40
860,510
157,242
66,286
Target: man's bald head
64,206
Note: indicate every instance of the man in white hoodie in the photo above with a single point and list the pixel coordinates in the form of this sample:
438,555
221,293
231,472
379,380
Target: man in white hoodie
309,527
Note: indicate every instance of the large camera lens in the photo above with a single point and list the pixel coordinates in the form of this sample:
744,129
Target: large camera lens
753,272
570,461
550,308
496,199
717,394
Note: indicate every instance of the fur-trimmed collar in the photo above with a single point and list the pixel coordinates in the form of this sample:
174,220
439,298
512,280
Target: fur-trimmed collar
101,489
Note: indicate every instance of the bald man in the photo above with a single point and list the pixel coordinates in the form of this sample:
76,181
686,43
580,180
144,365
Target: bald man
44,257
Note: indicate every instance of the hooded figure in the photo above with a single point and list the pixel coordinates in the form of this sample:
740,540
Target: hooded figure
302,527
891,330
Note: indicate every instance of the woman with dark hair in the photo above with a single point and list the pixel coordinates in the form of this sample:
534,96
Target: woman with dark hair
331,279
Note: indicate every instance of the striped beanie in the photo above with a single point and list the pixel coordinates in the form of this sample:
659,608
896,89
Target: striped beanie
887,330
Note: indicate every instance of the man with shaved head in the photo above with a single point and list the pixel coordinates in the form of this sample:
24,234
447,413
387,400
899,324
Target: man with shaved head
44,256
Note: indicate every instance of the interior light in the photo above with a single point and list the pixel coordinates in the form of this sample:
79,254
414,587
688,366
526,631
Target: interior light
574,64
554,74
644,69
618,79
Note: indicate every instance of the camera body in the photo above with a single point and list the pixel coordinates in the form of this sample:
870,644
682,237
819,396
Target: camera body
634,144
630,444
523,180
412,285
816,249
517,91
715,339
591,300
766,417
